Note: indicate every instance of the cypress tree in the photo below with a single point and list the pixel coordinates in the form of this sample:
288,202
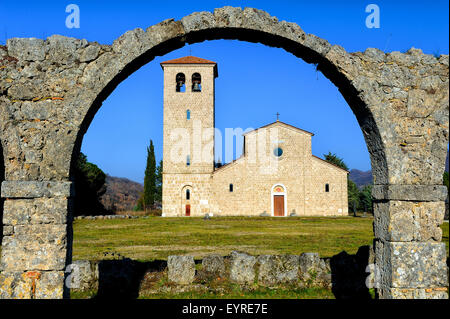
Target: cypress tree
150,178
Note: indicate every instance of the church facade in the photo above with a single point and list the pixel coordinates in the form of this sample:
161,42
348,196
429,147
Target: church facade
277,175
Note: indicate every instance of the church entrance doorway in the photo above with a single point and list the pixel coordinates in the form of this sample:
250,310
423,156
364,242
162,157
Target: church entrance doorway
278,205
188,210
279,202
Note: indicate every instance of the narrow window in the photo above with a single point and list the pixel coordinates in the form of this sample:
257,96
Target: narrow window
188,114
327,188
231,188
180,82
188,160
196,82
188,194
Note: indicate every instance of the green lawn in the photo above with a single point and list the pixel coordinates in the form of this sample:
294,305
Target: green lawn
153,238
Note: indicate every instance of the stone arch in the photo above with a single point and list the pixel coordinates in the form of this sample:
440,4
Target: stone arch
138,47
51,90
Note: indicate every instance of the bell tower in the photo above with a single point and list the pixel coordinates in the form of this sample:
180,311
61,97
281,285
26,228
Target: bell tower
188,137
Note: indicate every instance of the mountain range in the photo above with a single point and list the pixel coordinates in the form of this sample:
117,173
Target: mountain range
361,178
121,194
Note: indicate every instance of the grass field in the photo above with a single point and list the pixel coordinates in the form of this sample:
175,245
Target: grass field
153,238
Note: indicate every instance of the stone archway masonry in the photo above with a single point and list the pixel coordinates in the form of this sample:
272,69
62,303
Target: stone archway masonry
50,91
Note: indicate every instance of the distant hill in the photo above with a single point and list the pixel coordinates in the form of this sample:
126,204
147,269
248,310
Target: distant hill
360,178
121,194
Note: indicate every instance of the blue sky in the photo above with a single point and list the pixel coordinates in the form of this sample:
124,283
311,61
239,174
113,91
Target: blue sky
254,81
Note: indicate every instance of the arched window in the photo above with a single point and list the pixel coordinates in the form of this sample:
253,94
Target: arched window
196,82
188,160
327,188
231,188
188,114
180,82
188,194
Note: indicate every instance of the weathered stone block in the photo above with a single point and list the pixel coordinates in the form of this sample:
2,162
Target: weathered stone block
228,17
317,44
412,293
8,230
181,269
408,221
34,247
165,30
275,270
18,285
258,20
213,264
28,49
34,189
421,193
308,263
132,44
411,264
198,21
90,53
63,49
242,268
50,285
14,285
35,211
84,275
37,110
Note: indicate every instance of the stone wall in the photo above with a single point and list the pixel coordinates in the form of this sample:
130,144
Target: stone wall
51,89
2,177
344,274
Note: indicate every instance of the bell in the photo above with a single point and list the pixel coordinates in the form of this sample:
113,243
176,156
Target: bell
196,86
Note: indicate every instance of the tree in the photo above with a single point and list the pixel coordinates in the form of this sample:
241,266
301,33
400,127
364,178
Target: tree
158,192
140,203
334,159
353,196
365,198
352,189
89,187
150,178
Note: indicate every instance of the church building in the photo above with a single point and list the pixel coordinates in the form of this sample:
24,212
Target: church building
277,175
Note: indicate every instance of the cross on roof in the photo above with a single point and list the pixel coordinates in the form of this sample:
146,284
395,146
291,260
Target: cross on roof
278,115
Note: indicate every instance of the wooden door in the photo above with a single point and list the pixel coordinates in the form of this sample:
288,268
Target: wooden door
278,205
188,210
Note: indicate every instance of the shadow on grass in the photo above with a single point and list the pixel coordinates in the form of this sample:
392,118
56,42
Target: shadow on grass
348,274
122,278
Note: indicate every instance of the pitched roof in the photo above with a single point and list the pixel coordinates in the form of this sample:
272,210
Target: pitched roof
192,60
279,122
189,60
330,163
